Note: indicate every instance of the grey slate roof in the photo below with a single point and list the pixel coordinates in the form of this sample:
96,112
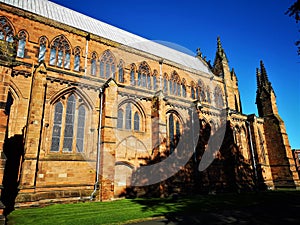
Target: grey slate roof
72,18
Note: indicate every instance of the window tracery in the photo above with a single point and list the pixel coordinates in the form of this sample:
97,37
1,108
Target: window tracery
107,65
143,74
69,125
60,53
6,31
132,120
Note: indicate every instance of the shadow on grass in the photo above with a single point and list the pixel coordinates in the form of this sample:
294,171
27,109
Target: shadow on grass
274,207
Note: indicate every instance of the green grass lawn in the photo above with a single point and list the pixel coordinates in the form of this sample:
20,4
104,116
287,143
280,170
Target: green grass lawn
258,208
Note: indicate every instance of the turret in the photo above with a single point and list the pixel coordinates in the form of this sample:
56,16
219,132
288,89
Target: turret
279,151
265,95
221,69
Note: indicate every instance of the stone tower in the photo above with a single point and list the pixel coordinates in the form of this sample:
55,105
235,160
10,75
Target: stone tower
279,151
221,68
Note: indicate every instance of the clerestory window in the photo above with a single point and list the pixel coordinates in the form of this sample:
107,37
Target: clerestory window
21,44
42,49
60,53
6,31
107,65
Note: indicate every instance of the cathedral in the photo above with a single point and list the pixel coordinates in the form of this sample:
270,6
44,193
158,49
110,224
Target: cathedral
90,111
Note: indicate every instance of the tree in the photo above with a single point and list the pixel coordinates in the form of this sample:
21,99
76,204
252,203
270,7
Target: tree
294,11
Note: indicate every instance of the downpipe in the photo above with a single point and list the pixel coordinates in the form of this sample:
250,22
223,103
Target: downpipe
96,185
252,152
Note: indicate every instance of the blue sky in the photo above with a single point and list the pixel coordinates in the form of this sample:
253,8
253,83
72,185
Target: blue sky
250,31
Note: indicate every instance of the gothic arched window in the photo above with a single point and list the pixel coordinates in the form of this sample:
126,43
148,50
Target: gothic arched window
132,119
192,90
165,83
57,124
69,125
80,129
149,85
42,49
60,52
171,87
128,117
21,44
171,133
173,130
261,146
6,31
218,97
121,72
107,65
183,87
143,72
136,121
202,91
208,94
120,119
132,75
155,80
77,59
94,64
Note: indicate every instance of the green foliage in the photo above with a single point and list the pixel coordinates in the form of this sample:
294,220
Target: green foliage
294,11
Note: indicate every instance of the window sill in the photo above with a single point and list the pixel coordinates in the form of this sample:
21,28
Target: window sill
64,156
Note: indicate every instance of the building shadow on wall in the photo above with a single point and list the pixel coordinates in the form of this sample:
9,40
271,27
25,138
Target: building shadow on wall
229,172
14,152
